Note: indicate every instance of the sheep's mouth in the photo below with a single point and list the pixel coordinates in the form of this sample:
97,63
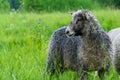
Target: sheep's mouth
69,32
70,35
78,34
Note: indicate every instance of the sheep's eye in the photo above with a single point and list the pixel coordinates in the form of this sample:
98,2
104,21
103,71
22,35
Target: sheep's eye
80,19
77,21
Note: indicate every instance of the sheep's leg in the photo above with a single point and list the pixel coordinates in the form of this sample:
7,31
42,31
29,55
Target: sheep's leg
54,61
82,74
54,69
101,73
50,69
108,68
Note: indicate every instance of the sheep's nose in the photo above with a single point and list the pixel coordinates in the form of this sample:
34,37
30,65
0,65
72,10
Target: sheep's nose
66,32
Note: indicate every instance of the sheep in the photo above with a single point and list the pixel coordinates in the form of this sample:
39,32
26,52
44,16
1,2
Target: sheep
112,33
95,53
62,53
116,52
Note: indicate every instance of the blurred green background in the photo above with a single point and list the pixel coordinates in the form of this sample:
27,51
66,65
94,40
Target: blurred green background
57,5
27,25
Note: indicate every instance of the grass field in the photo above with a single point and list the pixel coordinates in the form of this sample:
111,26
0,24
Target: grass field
24,39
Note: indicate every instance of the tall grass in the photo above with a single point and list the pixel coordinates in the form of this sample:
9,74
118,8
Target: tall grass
24,39
4,6
66,5
58,5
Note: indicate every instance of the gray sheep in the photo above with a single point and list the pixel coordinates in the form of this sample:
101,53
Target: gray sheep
95,53
113,33
115,37
116,51
62,53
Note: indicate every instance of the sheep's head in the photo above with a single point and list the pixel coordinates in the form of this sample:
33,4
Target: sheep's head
77,25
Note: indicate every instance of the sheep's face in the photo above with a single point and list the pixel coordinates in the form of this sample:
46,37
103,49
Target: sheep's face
76,27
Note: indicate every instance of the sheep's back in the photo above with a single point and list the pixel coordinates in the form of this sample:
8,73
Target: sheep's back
66,48
116,51
113,33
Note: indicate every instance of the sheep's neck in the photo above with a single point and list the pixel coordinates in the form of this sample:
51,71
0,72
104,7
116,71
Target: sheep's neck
91,40
92,36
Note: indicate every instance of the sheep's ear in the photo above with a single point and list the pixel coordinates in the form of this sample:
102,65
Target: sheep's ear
85,15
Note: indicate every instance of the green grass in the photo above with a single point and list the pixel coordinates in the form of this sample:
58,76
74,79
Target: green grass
24,41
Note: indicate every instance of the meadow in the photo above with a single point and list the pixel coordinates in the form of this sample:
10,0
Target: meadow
24,39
